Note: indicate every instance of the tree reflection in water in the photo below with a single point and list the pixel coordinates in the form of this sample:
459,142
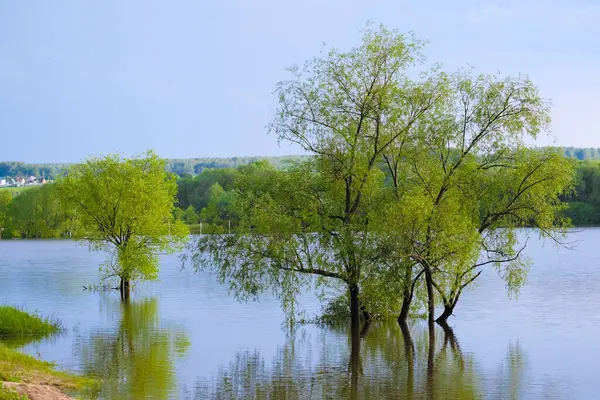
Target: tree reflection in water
136,360
385,361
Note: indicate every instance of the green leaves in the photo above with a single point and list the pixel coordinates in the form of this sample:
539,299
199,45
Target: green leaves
459,182
126,206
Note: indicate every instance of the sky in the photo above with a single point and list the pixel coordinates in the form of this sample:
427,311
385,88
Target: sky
196,78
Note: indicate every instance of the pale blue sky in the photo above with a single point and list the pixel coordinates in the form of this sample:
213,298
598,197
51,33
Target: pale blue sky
195,78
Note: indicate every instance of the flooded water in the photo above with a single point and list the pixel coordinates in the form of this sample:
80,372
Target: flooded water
185,337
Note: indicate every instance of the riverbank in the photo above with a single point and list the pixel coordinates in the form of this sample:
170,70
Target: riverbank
26,375
23,376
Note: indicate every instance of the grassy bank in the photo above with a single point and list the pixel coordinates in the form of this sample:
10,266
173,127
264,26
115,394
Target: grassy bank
26,374
16,322
25,371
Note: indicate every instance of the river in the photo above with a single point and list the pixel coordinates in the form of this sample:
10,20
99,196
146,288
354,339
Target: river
185,337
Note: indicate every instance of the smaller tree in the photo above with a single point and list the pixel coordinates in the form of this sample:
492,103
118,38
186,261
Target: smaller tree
190,216
126,207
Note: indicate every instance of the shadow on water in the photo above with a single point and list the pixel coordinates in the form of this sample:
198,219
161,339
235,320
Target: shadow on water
136,359
382,361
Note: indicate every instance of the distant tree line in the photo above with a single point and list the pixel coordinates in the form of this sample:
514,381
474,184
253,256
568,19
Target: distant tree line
579,153
208,197
178,166
195,166
18,169
584,201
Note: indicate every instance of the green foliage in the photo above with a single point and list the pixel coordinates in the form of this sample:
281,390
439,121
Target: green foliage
14,321
316,219
458,183
178,213
469,182
583,214
220,209
190,216
335,311
5,199
195,191
126,206
38,213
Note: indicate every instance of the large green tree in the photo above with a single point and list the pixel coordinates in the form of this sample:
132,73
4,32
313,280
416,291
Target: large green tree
471,182
344,108
126,206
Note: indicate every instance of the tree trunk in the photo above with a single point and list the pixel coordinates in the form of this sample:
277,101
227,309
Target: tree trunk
365,329
354,307
443,318
365,314
403,317
124,289
430,298
408,295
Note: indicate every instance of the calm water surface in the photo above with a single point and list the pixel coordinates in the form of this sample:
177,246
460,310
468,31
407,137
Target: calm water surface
185,337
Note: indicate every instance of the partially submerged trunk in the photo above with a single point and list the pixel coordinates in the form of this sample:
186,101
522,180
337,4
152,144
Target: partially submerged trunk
124,289
365,329
448,310
403,317
365,314
409,291
451,300
354,307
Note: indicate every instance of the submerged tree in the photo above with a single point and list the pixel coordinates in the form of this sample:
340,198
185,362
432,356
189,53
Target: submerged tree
471,182
126,206
459,181
316,220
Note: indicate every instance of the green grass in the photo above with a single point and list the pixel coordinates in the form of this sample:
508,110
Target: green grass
19,367
7,394
16,322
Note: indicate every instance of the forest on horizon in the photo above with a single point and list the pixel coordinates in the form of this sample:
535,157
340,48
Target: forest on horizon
195,166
